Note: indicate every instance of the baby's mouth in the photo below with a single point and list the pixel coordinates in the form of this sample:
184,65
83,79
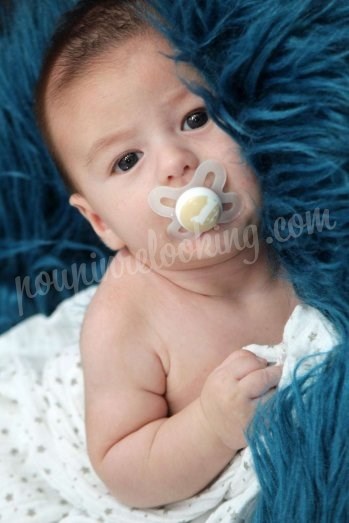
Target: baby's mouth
200,205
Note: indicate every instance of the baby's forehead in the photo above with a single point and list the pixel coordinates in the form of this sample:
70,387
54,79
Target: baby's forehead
63,77
66,97
61,81
138,71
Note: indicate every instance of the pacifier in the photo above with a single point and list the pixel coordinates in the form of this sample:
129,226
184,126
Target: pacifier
195,208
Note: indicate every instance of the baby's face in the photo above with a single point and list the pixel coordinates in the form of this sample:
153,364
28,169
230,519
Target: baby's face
130,125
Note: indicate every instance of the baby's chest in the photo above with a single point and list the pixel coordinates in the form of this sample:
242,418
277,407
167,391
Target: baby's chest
193,354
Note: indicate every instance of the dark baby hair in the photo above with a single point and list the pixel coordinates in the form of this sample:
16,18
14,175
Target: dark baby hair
91,28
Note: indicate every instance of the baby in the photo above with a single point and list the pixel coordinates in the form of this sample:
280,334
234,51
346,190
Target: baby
169,392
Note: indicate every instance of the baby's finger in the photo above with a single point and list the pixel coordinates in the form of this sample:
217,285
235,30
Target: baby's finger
261,381
243,362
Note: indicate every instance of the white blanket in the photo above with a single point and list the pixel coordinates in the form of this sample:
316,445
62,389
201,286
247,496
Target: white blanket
45,475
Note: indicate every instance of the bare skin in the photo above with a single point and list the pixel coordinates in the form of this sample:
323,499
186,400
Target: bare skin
168,390
169,387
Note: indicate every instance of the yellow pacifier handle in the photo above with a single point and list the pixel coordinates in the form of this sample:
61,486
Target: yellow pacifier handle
198,209
195,207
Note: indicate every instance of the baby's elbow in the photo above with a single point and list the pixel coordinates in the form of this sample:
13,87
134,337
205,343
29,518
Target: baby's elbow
121,474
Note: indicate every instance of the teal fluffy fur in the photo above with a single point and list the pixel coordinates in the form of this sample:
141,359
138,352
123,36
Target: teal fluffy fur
279,84
41,237
277,74
277,80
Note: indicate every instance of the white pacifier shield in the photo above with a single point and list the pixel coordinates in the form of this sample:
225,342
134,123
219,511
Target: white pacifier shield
198,209
195,208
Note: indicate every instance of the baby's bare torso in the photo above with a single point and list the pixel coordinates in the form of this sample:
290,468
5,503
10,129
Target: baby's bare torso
193,334
200,333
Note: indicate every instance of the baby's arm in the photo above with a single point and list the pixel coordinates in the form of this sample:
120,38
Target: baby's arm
143,456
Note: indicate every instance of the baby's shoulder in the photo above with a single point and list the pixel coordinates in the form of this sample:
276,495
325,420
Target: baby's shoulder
118,312
117,347
112,306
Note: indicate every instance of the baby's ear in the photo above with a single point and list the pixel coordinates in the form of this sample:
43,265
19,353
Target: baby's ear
106,234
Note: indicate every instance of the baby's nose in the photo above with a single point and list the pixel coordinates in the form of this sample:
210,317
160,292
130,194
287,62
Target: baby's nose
177,165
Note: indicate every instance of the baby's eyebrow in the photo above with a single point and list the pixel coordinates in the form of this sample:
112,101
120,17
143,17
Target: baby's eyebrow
105,142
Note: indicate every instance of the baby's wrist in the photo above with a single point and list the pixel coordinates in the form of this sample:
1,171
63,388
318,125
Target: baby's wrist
213,437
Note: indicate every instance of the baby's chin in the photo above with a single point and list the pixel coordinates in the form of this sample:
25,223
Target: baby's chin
213,247
206,250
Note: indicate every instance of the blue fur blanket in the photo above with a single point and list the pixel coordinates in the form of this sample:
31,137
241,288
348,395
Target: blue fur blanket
277,73
43,242
277,76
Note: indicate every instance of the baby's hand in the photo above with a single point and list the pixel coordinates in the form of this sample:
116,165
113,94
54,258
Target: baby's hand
231,392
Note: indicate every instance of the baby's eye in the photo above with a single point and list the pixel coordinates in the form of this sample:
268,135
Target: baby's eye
127,162
195,120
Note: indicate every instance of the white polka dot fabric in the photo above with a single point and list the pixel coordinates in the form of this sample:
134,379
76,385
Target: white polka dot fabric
45,474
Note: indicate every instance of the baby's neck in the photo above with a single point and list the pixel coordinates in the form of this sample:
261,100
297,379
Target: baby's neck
232,279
